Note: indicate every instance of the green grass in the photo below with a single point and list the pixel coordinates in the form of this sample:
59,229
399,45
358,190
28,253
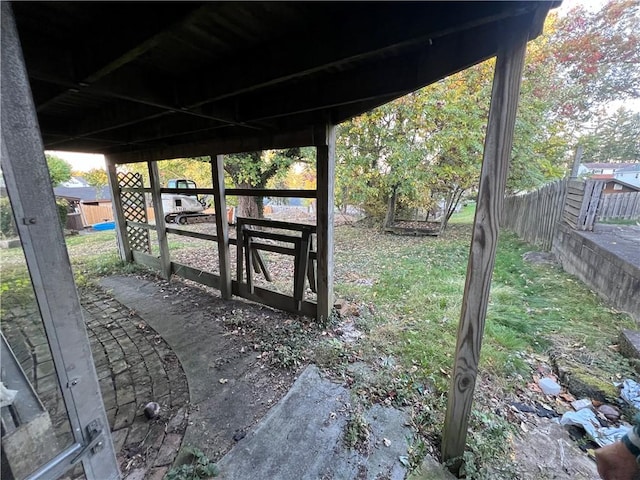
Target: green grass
416,292
465,215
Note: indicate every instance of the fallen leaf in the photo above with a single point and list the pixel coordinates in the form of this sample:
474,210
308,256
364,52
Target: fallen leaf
223,380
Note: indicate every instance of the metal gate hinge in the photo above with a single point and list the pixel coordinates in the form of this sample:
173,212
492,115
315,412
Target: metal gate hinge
96,441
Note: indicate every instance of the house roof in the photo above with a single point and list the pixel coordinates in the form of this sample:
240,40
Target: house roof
624,184
86,194
614,166
634,167
146,81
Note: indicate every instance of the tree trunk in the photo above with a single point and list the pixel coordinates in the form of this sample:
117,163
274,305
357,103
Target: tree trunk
452,202
251,207
391,208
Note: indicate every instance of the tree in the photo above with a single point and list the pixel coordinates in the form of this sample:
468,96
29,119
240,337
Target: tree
59,169
600,53
614,138
254,170
97,178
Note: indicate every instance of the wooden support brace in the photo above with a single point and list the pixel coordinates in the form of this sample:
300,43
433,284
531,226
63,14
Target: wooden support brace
497,151
247,255
300,269
311,268
262,266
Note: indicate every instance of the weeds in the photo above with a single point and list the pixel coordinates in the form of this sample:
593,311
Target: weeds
200,467
357,431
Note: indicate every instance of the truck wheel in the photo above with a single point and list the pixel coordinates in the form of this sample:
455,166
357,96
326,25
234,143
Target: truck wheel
182,220
168,219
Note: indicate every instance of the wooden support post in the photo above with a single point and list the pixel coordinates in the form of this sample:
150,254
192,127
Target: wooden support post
118,213
222,226
325,173
25,171
158,212
497,152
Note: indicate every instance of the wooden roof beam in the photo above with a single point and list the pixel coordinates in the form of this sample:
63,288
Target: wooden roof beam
365,41
392,80
93,59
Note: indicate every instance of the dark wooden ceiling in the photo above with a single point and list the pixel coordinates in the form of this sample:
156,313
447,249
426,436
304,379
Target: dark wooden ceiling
157,80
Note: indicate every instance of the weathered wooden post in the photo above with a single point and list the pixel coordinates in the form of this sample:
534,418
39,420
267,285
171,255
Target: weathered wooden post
161,232
29,188
325,168
222,226
497,151
118,214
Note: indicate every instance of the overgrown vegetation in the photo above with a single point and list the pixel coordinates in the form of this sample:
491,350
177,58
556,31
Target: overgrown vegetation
408,294
198,468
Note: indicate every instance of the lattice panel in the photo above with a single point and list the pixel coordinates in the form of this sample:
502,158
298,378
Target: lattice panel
134,209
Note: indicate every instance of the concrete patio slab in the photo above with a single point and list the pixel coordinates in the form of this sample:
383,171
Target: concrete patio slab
231,392
302,437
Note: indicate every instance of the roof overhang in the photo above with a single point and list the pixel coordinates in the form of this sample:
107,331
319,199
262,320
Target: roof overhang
147,81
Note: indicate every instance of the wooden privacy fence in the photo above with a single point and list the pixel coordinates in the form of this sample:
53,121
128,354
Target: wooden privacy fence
578,203
619,206
533,216
581,207
96,213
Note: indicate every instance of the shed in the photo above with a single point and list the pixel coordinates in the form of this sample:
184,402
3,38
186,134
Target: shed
143,82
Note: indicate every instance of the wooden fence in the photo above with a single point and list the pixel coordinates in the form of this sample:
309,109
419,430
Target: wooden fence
533,216
619,206
92,213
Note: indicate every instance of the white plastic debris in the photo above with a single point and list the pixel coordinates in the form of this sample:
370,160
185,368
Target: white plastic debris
7,396
586,419
631,393
549,386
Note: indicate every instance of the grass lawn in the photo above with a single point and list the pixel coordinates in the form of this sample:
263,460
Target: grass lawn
408,294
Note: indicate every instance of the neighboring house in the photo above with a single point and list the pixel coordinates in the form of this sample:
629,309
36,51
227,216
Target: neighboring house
75,182
86,194
91,210
601,170
629,175
614,185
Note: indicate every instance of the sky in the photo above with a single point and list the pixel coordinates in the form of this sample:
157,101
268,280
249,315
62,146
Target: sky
81,162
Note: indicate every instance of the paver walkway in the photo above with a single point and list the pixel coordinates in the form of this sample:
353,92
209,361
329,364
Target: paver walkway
134,366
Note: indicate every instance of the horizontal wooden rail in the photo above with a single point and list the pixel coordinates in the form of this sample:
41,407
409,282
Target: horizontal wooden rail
200,276
276,237
235,192
273,248
146,259
189,233
262,192
260,295
263,222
